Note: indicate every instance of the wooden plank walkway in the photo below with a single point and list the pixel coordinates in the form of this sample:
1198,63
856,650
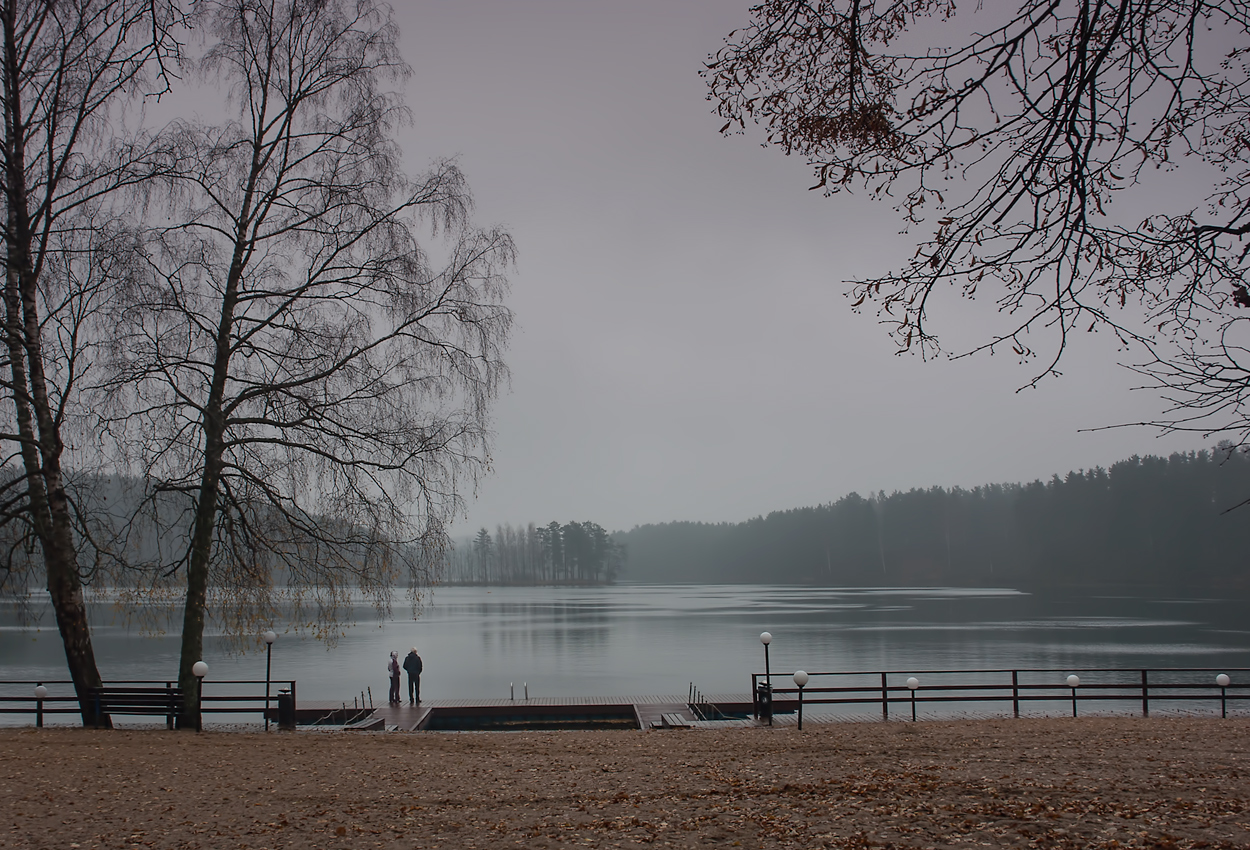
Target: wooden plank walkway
648,708
404,717
562,701
651,715
635,699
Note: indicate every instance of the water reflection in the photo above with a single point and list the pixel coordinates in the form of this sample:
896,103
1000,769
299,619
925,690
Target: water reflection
629,640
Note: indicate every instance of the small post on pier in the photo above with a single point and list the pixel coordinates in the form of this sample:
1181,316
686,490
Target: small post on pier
1074,682
1015,693
885,699
1223,681
1145,696
913,683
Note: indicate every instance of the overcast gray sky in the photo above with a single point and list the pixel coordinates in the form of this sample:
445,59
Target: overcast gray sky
684,350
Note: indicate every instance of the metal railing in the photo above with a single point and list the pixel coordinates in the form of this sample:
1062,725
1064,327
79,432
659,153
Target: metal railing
18,696
1107,685
701,707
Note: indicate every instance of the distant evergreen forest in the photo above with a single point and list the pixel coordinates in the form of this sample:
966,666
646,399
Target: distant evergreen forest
1145,521
578,553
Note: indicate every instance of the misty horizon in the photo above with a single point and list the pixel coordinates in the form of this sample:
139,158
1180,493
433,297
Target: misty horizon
683,347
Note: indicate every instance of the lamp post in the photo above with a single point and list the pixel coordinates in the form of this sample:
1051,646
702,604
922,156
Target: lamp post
1074,682
1223,681
199,670
913,683
766,639
800,679
269,637
41,693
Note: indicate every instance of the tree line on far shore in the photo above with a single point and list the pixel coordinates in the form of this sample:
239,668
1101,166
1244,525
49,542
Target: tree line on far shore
578,553
1145,521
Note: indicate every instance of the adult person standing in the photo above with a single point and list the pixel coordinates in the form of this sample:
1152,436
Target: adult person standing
413,665
393,669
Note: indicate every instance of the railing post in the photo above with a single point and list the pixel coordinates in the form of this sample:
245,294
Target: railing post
1015,693
38,706
1145,696
173,701
885,700
755,695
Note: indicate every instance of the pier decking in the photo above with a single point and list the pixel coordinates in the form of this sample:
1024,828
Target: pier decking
645,711
555,712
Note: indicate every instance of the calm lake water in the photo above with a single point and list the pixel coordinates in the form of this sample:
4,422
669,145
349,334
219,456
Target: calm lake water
657,639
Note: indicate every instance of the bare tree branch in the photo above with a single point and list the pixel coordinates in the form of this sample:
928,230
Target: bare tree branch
1012,143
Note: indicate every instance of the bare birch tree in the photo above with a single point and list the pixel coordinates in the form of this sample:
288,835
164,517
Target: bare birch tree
1010,141
303,384
68,68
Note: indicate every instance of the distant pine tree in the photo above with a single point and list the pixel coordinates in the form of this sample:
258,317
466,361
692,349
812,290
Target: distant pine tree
581,553
1172,523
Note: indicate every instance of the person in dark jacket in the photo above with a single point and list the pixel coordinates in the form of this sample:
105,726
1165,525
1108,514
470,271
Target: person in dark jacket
413,665
392,668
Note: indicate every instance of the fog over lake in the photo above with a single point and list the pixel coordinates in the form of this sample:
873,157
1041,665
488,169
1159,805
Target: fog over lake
657,639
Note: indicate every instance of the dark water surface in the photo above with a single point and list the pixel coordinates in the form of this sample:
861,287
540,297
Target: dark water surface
657,639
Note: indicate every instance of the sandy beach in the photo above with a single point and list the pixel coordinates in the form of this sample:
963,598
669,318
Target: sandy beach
1083,783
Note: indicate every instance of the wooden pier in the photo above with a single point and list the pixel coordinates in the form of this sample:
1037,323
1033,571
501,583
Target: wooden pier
648,711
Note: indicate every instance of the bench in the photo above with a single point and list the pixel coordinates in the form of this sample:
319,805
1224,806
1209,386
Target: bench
164,702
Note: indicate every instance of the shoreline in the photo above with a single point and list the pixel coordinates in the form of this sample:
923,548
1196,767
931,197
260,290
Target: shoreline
1097,782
